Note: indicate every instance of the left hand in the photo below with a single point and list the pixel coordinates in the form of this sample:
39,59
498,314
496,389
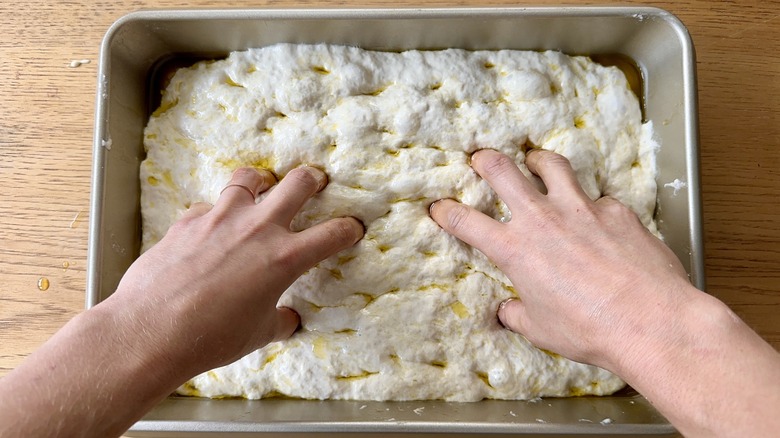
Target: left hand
206,294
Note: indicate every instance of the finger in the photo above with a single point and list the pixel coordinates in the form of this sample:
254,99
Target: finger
287,323
504,177
286,200
467,224
323,240
556,172
510,315
244,186
197,209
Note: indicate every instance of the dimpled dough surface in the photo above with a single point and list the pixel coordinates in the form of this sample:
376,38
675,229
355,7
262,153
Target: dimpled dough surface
409,312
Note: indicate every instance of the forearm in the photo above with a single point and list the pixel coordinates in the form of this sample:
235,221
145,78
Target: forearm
202,297
706,371
92,378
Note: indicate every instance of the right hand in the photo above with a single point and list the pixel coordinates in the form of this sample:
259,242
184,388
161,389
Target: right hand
588,274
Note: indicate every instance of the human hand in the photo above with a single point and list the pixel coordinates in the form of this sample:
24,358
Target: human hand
206,294
588,274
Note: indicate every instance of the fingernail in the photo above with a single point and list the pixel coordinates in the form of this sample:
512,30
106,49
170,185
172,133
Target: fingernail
531,152
430,207
500,311
283,336
470,158
475,153
362,225
300,322
322,178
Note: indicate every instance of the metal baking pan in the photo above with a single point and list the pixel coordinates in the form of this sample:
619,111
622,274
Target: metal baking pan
138,43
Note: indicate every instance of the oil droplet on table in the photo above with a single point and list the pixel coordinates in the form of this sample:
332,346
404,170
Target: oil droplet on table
76,218
43,283
65,265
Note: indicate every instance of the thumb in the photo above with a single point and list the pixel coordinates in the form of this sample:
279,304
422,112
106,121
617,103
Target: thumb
287,322
510,315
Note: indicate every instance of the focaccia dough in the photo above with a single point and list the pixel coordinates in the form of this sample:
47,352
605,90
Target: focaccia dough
409,312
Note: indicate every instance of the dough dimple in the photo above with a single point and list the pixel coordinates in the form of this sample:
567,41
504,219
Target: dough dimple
409,312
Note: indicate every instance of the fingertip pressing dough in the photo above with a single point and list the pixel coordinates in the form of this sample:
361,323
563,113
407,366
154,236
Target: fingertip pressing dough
409,312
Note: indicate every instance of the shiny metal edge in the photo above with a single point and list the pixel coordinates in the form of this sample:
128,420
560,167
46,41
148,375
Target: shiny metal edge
695,220
396,13
417,427
95,239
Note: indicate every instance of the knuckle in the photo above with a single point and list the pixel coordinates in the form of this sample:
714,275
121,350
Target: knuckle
457,216
182,224
616,212
215,221
497,165
288,257
199,209
303,177
615,207
550,221
344,230
194,226
627,214
244,173
583,206
552,159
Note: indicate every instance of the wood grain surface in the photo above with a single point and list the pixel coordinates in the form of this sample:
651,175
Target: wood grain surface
46,119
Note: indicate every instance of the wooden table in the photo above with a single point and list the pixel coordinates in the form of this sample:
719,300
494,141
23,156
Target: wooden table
46,118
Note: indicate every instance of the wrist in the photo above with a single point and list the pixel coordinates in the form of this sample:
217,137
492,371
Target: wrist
688,363
137,338
92,374
671,331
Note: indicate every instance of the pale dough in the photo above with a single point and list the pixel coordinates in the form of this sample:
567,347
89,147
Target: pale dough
409,312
